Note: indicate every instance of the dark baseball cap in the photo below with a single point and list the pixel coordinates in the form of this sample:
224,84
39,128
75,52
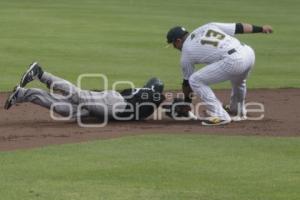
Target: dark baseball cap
175,33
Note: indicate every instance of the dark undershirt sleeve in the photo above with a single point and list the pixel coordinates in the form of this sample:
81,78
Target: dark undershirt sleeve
239,28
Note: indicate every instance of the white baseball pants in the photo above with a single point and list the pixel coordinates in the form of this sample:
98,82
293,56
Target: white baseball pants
235,68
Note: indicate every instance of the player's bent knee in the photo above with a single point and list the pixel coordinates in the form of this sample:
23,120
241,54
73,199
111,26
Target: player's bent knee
195,81
192,81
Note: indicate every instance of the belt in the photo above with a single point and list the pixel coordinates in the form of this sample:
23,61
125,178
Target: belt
231,51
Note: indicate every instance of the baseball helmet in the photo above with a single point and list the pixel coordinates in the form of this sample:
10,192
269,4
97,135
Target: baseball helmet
155,84
175,33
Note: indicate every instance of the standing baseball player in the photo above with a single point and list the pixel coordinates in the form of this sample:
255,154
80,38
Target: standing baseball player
130,104
226,58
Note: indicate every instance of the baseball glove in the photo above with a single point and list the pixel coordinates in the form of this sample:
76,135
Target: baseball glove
178,109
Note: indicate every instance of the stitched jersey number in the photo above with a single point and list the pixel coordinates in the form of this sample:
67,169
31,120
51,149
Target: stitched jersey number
212,38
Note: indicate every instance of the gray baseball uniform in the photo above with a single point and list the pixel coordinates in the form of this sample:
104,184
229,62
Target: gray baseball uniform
66,103
226,58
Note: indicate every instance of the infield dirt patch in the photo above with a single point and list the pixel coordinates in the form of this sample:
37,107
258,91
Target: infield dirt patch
28,125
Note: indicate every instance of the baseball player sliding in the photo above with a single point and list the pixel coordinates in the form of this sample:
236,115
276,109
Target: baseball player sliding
130,104
226,58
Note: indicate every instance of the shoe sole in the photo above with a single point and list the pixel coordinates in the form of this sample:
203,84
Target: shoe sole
215,124
26,73
8,101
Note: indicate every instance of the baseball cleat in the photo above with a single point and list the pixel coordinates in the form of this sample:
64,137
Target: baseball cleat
214,121
12,99
234,115
238,118
34,72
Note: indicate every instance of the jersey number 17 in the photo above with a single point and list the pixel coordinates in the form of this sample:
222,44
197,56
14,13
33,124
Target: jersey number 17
212,38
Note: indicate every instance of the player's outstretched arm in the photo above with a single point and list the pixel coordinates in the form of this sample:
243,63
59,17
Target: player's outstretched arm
249,28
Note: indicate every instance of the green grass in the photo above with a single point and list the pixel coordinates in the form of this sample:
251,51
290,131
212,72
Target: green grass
156,167
125,39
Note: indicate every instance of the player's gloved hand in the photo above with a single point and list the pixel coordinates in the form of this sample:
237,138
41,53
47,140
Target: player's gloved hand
179,109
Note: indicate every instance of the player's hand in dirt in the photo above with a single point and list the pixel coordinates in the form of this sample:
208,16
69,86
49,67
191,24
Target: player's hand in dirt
179,109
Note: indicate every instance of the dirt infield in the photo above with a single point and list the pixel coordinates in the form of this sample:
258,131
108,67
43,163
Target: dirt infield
27,125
